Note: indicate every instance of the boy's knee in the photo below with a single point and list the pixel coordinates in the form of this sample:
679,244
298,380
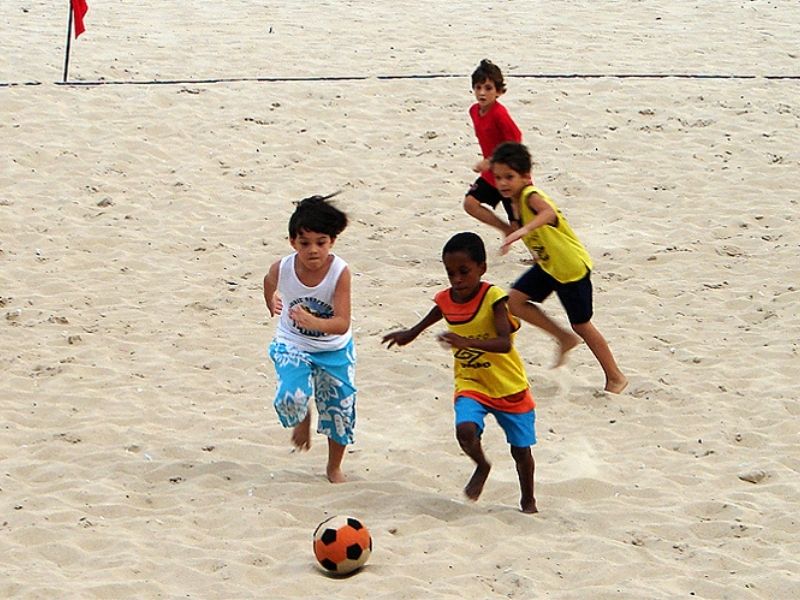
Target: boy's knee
521,454
516,300
471,205
581,328
466,434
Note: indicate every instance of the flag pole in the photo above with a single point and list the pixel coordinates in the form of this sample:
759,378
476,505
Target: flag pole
69,39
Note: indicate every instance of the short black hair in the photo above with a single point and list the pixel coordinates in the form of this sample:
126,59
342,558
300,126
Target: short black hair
513,155
469,243
488,71
316,214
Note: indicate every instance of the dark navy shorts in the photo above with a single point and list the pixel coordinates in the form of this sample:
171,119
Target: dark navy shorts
485,193
575,297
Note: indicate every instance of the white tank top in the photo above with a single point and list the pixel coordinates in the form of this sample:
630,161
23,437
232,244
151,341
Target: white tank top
318,300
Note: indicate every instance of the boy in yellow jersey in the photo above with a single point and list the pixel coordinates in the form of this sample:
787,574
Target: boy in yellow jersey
562,264
489,375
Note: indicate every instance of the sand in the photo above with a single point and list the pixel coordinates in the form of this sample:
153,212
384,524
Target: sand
141,456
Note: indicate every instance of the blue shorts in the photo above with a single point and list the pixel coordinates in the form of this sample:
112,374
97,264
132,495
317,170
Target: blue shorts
520,428
328,377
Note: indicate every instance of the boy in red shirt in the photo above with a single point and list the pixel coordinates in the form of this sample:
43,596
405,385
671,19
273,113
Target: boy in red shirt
493,126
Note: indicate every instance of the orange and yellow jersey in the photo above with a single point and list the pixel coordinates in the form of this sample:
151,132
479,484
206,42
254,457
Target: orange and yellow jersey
558,250
496,379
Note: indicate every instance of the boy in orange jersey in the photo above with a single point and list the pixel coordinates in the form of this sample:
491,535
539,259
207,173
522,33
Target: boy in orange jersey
489,375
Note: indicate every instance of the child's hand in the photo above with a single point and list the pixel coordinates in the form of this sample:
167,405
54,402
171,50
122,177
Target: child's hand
276,306
302,317
401,338
453,340
481,166
511,227
510,239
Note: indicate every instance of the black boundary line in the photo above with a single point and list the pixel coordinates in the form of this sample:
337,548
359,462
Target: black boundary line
399,77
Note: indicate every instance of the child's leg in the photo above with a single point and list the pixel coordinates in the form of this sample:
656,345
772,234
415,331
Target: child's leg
484,214
470,441
335,396
480,201
615,379
525,469
293,370
301,434
521,306
335,456
520,430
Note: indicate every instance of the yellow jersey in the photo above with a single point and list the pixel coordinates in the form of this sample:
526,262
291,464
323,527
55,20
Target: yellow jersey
558,250
496,379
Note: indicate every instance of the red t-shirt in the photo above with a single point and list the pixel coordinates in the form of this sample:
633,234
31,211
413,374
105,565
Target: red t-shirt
492,129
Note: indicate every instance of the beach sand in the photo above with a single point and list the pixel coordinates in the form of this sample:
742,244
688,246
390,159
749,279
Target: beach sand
141,456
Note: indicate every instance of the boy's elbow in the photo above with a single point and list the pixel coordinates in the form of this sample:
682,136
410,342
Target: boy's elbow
505,347
340,328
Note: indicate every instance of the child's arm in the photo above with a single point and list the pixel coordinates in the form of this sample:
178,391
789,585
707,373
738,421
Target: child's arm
270,288
509,131
340,321
406,336
500,344
482,165
545,215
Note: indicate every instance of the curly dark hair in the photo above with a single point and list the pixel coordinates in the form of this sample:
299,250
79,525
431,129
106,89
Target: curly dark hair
469,243
316,214
488,71
513,155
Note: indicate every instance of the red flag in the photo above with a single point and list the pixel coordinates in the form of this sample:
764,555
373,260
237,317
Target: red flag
79,8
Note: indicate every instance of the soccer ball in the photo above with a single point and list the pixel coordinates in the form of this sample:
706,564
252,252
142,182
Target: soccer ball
342,544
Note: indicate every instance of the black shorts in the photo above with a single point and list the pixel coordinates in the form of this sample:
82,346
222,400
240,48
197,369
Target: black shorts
485,193
575,297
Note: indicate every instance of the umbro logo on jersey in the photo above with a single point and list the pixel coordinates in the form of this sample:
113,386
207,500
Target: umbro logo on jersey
469,358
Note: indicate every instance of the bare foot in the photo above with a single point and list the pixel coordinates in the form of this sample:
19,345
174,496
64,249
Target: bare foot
615,386
301,434
334,467
336,476
528,506
475,484
564,348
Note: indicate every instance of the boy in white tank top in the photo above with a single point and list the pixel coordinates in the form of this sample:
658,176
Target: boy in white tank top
313,351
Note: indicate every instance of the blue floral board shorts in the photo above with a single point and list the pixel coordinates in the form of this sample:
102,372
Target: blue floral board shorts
328,377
